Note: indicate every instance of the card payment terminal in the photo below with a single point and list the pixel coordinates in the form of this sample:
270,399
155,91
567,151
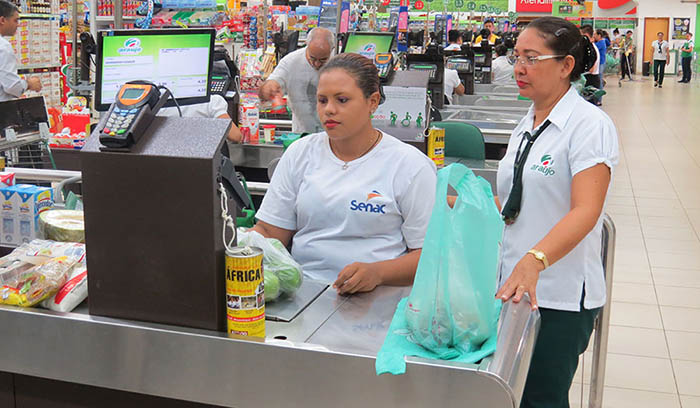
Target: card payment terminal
130,115
385,65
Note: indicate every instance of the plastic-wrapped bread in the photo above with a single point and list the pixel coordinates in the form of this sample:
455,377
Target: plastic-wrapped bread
63,225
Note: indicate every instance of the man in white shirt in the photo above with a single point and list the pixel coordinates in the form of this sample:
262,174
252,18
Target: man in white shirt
297,75
11,85
501,68
660,49
455,39
452,84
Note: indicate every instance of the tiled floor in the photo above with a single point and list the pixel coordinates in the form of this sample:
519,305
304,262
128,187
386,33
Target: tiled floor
654,345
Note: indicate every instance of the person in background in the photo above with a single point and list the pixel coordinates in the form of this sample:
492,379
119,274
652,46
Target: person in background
616,37
626,49
455,39
606,37
593,75
297,75
662,58
11,85
501,68
217,107
602,45
492,37
686,58
552,238
348,224
452,84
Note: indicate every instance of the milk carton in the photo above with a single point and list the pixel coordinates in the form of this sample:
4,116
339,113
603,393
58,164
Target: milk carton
32,201
8,216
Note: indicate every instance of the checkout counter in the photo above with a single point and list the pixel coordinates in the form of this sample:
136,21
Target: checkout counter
320,347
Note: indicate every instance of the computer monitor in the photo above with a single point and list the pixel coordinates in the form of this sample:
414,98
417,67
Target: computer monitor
369,44
180,59
23,115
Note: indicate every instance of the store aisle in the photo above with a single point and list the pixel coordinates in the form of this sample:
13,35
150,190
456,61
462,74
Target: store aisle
654,346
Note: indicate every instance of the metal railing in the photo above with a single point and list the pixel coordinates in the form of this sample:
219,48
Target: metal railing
602,323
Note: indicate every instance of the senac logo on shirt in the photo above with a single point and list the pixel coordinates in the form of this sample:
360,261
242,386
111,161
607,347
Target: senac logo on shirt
545,166
367,206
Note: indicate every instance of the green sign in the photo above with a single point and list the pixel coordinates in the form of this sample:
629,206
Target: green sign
588,21
602,24
481,6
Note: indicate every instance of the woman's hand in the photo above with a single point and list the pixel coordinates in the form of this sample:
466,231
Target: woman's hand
523,279
358,277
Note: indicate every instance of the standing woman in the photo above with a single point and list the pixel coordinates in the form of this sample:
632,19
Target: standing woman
554,181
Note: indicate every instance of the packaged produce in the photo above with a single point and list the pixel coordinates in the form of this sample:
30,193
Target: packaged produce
62,225
276,261
26,280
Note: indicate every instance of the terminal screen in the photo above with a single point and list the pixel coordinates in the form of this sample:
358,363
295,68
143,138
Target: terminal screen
177,61
369,45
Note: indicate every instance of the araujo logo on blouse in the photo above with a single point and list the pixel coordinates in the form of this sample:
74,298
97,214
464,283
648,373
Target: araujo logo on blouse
367,206
545,166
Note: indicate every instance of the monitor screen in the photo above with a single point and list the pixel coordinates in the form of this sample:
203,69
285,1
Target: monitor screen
23,115
369,44
181,60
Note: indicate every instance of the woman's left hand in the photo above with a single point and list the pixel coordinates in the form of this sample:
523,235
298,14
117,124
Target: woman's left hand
358,277
523,279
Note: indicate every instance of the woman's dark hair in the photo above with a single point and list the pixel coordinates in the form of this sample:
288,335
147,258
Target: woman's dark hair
600,33
564,38
359,67
587,29
501,50
616,31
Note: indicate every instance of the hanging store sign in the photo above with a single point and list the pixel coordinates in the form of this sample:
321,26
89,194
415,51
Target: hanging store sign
533,6
453,6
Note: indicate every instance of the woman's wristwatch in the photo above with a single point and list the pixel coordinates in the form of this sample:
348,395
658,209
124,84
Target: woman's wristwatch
540,257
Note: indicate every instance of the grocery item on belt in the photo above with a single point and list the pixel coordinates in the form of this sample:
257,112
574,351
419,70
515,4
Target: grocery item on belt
276,261
36,270
72,293
62,225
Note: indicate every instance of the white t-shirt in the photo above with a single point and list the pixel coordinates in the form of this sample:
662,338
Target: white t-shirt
216,107
373,211
453,47
450,82
596,67
664,47
299,80
502,71
579,137
11,85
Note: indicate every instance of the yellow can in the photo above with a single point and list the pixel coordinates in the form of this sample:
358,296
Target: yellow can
245,292
436,146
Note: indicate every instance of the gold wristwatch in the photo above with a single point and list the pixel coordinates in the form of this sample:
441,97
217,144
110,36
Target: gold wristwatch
540,257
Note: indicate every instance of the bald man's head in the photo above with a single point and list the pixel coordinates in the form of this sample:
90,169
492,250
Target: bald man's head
319,46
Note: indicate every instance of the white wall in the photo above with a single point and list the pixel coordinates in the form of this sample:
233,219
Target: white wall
662,8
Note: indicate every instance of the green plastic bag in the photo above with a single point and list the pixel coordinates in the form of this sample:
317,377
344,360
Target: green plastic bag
451,306
451,313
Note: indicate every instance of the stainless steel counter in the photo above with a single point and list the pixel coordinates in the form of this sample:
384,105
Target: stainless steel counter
325,357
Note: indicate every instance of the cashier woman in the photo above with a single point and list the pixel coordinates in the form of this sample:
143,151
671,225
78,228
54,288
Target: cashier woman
553,183
353,201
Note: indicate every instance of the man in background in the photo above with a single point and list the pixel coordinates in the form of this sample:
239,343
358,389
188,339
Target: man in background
686,58
626,49
602,46
455,39
662,58
297,75
492,37
11,85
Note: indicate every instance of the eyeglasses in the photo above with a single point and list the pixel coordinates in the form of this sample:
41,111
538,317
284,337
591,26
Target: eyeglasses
532,60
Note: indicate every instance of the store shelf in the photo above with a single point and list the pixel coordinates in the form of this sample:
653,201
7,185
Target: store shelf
38,66
110,19
47,16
